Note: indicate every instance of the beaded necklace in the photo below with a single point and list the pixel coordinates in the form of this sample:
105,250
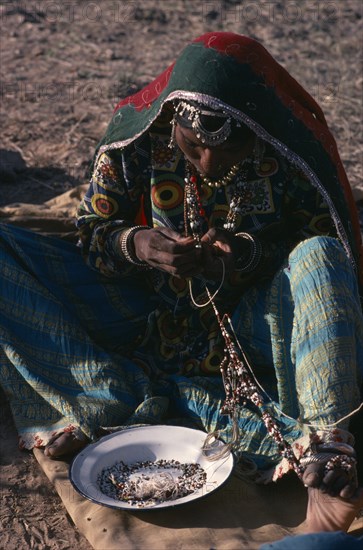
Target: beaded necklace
237,374
194,213
225,180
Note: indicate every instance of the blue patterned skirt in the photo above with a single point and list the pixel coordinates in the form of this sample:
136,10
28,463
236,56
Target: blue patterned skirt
68,337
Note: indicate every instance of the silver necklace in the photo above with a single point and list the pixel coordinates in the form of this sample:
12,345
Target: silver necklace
193,211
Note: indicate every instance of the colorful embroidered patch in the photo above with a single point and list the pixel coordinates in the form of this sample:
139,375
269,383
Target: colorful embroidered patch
106,175
268,167
163,156
211,364
107,169
103,205
257,197
167,194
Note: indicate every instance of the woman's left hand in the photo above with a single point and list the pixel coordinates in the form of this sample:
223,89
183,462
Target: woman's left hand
217,245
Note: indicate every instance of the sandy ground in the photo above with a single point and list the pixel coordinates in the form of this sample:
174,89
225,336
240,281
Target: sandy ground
31,514
64,65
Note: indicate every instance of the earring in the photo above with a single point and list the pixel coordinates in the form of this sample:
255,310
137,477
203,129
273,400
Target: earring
172,141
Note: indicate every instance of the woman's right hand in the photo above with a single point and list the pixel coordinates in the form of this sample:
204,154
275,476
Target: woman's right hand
165,249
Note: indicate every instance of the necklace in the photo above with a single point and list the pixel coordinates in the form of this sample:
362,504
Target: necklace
239,196
225,180
194,213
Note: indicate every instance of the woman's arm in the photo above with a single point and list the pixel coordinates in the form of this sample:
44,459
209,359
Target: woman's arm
110,234
108,209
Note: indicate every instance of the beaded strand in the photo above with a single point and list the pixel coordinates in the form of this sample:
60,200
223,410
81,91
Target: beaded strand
225,180
235,369
241,389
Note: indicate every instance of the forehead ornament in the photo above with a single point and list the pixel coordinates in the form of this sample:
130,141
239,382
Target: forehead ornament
193,115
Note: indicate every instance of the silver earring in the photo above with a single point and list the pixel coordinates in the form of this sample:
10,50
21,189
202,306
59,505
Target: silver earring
172,141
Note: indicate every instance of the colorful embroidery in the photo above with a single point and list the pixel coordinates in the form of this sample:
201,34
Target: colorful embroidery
107,175
166,194
164,158
104,206
257,197
268,167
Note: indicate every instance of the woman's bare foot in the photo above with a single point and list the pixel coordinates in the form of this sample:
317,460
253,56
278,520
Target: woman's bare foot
337,482
334,496
328,513
64,444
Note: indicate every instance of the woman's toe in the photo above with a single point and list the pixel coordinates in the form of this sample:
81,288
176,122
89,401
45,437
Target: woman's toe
63,444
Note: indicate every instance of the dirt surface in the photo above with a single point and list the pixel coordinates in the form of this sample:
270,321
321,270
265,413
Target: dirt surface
64,65
31,513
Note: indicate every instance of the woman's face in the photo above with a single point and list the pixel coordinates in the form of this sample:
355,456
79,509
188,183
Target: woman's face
212,161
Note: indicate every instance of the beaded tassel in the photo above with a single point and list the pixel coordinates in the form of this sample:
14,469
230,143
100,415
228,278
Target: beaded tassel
238,198
235,368
241,389
194,212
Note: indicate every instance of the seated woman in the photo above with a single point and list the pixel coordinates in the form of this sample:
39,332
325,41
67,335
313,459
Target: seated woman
220,283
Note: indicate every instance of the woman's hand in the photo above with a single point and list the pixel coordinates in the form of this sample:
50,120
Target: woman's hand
165,249
217,245
168,251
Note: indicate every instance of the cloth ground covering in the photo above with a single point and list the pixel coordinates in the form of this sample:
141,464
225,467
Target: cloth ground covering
241,514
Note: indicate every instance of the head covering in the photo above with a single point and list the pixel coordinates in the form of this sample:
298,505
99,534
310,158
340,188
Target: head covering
236,74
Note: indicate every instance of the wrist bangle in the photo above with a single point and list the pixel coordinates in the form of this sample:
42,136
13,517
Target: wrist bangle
251,262
127,249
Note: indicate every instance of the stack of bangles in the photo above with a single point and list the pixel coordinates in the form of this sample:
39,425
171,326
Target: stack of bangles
334,456
248,264
127,247
245,264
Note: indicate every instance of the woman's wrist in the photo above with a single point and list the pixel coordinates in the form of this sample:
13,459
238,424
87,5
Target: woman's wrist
250,253
127,248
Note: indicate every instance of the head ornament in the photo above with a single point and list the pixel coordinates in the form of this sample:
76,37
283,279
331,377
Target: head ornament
194,115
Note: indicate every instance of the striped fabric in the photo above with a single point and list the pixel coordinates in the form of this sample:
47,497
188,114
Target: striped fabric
68,336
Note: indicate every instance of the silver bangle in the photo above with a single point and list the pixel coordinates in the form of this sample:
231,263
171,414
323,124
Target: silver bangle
126,246
256,253
337,447
316,458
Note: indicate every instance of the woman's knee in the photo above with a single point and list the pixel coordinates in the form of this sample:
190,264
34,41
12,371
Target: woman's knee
320,252
319,246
